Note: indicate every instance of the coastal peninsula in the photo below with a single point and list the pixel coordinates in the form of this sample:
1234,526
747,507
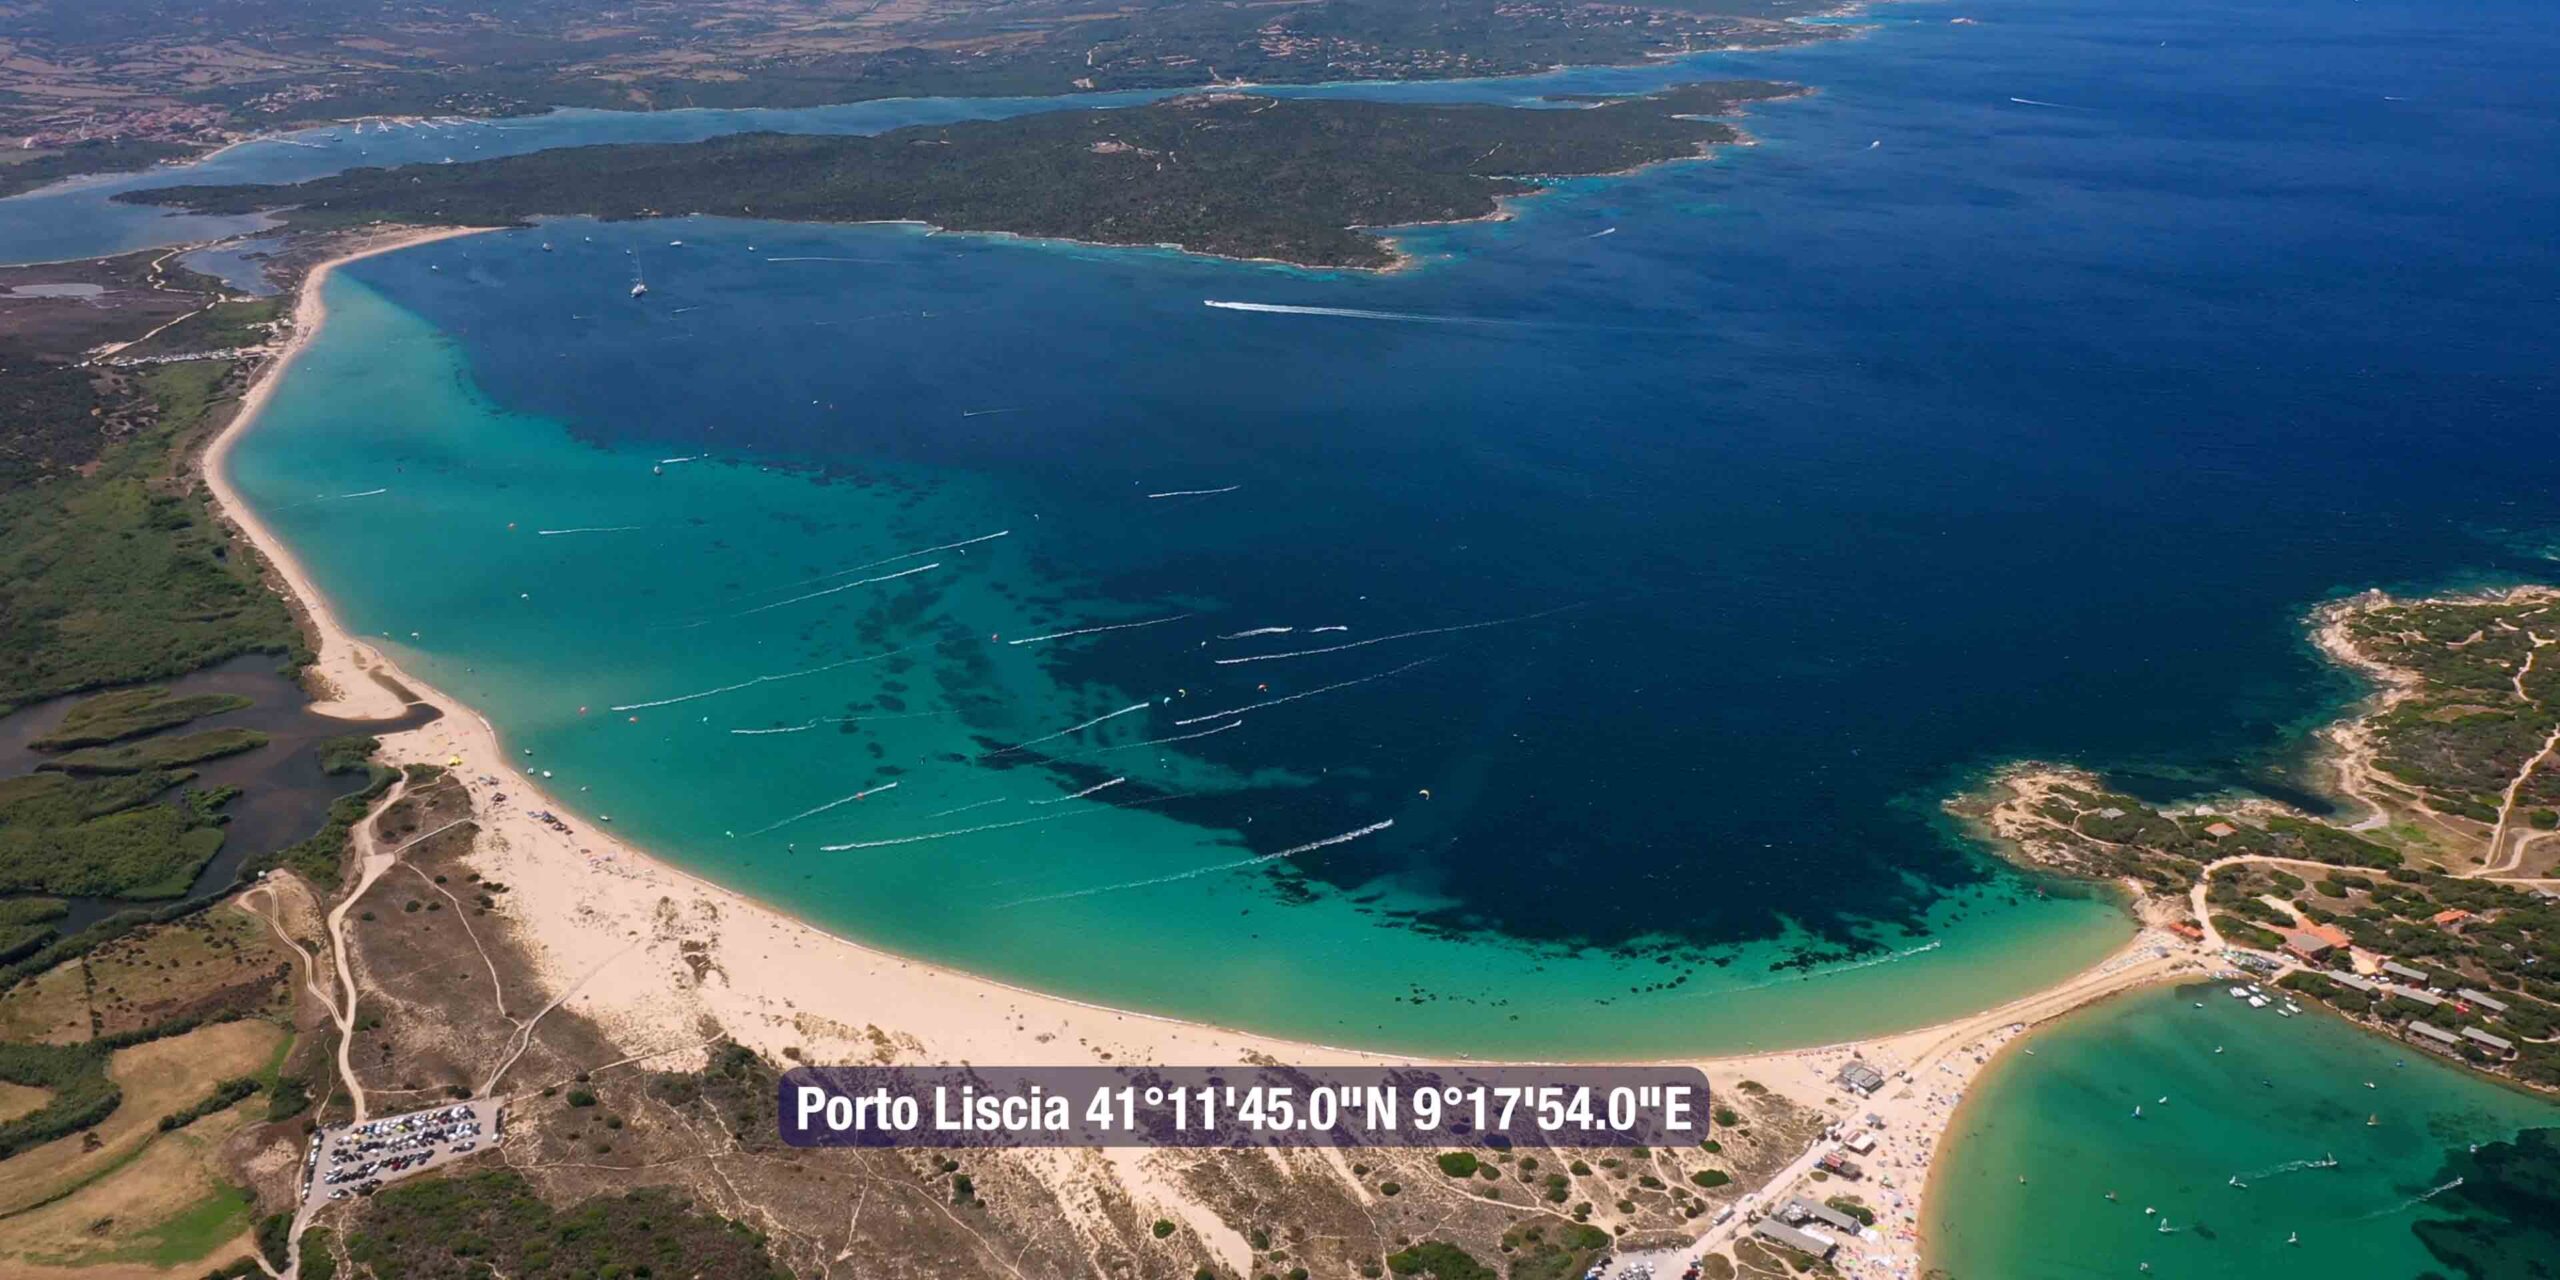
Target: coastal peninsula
1294,180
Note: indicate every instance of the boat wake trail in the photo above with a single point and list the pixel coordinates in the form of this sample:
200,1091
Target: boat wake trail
2289,1166
974,804
807,725
1194,493
1345,684
1356,313
1213,869
1401,635
828,591
991,826
1155,742
1109,715
2412,1202
1808,975
1087,631
1099,786
593,528
1258,631
2039,102
874,564
811,813
749,684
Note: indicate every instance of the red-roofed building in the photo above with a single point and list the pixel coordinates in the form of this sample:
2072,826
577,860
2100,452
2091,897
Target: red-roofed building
2449,917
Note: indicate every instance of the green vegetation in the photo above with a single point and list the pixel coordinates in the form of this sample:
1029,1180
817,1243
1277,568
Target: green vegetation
77,1076
119,574
224,1094
1227,173
101,837
157,755
1548,1251
131,713
2457,763
1440,1260
1458,1164
491,1223
25,923
119,156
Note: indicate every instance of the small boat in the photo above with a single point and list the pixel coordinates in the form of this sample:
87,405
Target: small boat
2147,1211
2111,1197
2217,1048
2294,1237
2371,1121
2235,1181
2137,1111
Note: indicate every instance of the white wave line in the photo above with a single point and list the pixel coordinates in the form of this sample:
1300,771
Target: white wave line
1152,742
1808,975
1194,493
1196,872
1344,684
749,684
807,725
694,457
592,528
820,259
1401,635
834,589
1348,313
811,813
1099,786
1258,631
974,804
964,831
1135,706
1317,631
1086,631
369,493
2039,102
903,555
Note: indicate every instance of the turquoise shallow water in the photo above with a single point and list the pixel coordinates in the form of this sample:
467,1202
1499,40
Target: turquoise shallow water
2281,1095
450,566
1671,550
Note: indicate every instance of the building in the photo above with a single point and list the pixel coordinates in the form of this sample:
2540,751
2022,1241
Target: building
2305,944
1860,1142
2399,970
1818,1217
2430,1036
1804,1242
1861,1079
2449,918
2415,996
2498,1045
2473,995
2222,830
2352,983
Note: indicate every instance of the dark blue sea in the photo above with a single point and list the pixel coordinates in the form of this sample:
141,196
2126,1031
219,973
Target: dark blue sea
1691,536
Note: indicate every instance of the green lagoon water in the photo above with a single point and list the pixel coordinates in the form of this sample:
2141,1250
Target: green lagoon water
2281,1094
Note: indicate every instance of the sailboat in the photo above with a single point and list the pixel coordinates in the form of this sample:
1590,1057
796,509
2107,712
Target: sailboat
2293,1238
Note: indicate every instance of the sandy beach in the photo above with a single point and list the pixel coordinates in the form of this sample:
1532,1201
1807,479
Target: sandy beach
655,956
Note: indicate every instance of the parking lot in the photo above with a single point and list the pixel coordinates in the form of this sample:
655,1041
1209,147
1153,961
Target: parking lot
355,1160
